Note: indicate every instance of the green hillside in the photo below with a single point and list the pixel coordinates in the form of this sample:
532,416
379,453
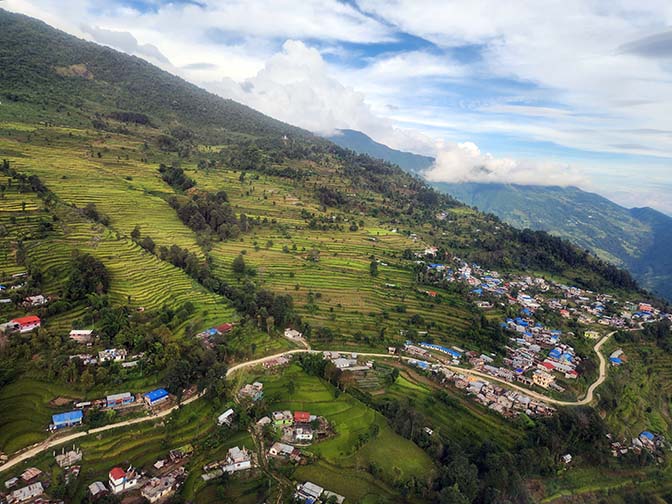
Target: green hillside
636,239
149,210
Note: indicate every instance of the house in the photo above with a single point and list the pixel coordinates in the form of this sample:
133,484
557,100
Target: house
81,336
224,328
120,480
542,378
38,300
26,493
592,334
303,434
226,417
301,417
391,350
254,391
97,488
114,400
11,482
158,488
238,459
285,450
112,354
30,474
292,334
309,492
567,458
281,418
62,420
25,324
156,396
342,363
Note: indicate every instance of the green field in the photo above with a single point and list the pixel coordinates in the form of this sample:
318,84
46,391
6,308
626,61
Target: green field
342,466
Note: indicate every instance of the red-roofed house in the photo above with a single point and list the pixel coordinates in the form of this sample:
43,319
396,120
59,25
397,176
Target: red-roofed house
121,480
26,324
301,417
547,366
224,328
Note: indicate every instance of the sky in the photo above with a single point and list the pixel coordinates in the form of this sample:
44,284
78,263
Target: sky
559,92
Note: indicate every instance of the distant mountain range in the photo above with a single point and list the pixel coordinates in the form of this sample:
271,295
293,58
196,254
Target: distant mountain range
639,239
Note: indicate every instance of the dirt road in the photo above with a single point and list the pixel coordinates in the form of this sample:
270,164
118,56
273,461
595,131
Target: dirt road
57,441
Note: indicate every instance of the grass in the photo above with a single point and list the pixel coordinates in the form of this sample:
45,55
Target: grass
396,458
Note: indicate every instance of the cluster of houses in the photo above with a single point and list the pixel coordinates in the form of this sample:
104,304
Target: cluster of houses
34,483
646,441
509,403
207,337
237,459
122,400
570,302
300,427
310,493
166,477
536,355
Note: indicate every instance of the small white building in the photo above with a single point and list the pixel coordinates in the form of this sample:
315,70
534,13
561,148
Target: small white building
226,418
81,336
120,480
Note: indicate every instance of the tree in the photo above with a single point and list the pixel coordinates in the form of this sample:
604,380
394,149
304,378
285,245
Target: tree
373,268
87,276
135,234
238,265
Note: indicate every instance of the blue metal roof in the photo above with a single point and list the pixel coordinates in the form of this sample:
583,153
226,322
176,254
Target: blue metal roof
69,417
157,394
647,435
615,360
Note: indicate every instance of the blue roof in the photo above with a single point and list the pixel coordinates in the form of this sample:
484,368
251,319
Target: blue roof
615,360
568,357
519,370
69,417
157,394
435,265
478,291
556,332
526,311
555,353
647,435
502,324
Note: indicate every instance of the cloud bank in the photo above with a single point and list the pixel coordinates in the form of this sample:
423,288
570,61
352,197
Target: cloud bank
464,162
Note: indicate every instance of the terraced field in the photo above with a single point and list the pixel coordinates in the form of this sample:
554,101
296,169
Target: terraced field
26,412
337,291
640,392
342,464
461,421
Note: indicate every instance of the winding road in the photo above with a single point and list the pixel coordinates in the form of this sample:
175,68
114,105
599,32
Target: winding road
60,440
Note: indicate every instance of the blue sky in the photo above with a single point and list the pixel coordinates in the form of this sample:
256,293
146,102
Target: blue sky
574,92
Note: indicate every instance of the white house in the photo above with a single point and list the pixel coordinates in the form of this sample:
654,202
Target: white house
238,459
226,417
81,336
120,480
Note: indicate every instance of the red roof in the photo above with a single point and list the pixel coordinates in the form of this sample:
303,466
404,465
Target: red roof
30,319
224,328
117,473
301,416
548,366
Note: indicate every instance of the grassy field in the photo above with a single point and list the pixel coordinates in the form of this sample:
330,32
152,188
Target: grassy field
462,421
342,465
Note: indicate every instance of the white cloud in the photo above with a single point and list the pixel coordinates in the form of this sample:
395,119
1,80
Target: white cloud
464,162
125,42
